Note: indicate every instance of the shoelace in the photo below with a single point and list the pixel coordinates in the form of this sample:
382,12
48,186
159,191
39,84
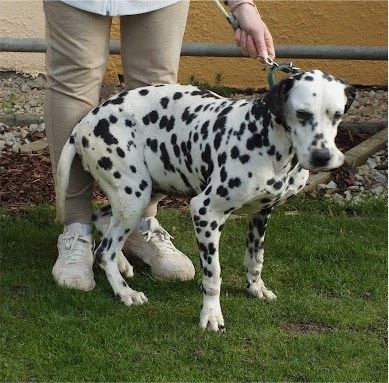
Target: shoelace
157,232
73,253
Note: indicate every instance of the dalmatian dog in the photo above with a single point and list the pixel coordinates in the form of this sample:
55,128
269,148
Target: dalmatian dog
227,155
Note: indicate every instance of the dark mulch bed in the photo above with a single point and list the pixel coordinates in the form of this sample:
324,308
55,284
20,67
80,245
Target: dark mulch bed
26,179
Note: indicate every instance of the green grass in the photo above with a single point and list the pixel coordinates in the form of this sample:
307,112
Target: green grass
8,103
326,263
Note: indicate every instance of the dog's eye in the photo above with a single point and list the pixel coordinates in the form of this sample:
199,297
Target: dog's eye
337,115
304,115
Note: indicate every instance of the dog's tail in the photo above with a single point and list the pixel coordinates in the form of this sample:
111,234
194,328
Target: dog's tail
62,177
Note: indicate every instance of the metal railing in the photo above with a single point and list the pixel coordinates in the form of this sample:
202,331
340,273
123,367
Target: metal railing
334,52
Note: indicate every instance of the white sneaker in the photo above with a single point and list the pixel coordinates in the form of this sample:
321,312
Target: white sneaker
73,267
155,248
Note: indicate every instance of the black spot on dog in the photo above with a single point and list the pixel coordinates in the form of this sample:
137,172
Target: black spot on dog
112,119
235,152
219,123
208,190
119,99
277,185
234,182
244,159
154,116
120,152
102,130
165,158
143,92
206,157
328,77
117,174
85,142
133,168
167,123
95,110
128,190
188,117
129,123
130,143
143,185
138,194
152,144
177,96
217,141
272,150
105,163
223,174
204,130
222,191
213,225
211,249
221,159
164,102
255,141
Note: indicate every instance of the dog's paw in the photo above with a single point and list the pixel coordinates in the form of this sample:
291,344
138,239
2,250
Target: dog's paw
211,316
125,267
258,290
131,297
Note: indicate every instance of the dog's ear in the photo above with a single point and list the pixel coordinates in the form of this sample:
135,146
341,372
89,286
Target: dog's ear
350,94
278,95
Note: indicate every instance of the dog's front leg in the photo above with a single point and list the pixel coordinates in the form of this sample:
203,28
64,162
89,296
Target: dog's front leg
208,224
254,255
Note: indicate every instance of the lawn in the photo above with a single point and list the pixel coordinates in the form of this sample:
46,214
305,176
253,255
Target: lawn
326,263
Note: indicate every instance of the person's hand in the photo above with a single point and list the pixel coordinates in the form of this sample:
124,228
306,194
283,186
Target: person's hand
253,36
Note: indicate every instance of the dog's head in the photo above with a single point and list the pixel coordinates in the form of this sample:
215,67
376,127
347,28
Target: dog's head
311,106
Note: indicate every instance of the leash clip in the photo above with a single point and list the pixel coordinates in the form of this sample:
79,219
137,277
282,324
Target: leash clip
275,67
270,62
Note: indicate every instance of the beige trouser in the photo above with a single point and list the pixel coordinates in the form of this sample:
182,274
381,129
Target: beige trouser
78,51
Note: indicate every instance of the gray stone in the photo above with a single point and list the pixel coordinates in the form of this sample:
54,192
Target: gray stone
331,185
371,163
35,146
377,190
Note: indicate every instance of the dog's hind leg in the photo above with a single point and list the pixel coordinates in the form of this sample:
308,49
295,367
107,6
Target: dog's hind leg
127,210
254,255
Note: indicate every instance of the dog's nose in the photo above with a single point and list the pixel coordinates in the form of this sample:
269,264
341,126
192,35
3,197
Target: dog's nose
320,157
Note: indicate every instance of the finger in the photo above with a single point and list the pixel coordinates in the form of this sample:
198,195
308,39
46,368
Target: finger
251,47
237,35
259,41
243,43
269,43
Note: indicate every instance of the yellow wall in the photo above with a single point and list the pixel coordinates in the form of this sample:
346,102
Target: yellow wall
290,22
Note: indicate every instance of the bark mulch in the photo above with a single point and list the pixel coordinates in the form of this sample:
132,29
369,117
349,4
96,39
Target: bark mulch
26,179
